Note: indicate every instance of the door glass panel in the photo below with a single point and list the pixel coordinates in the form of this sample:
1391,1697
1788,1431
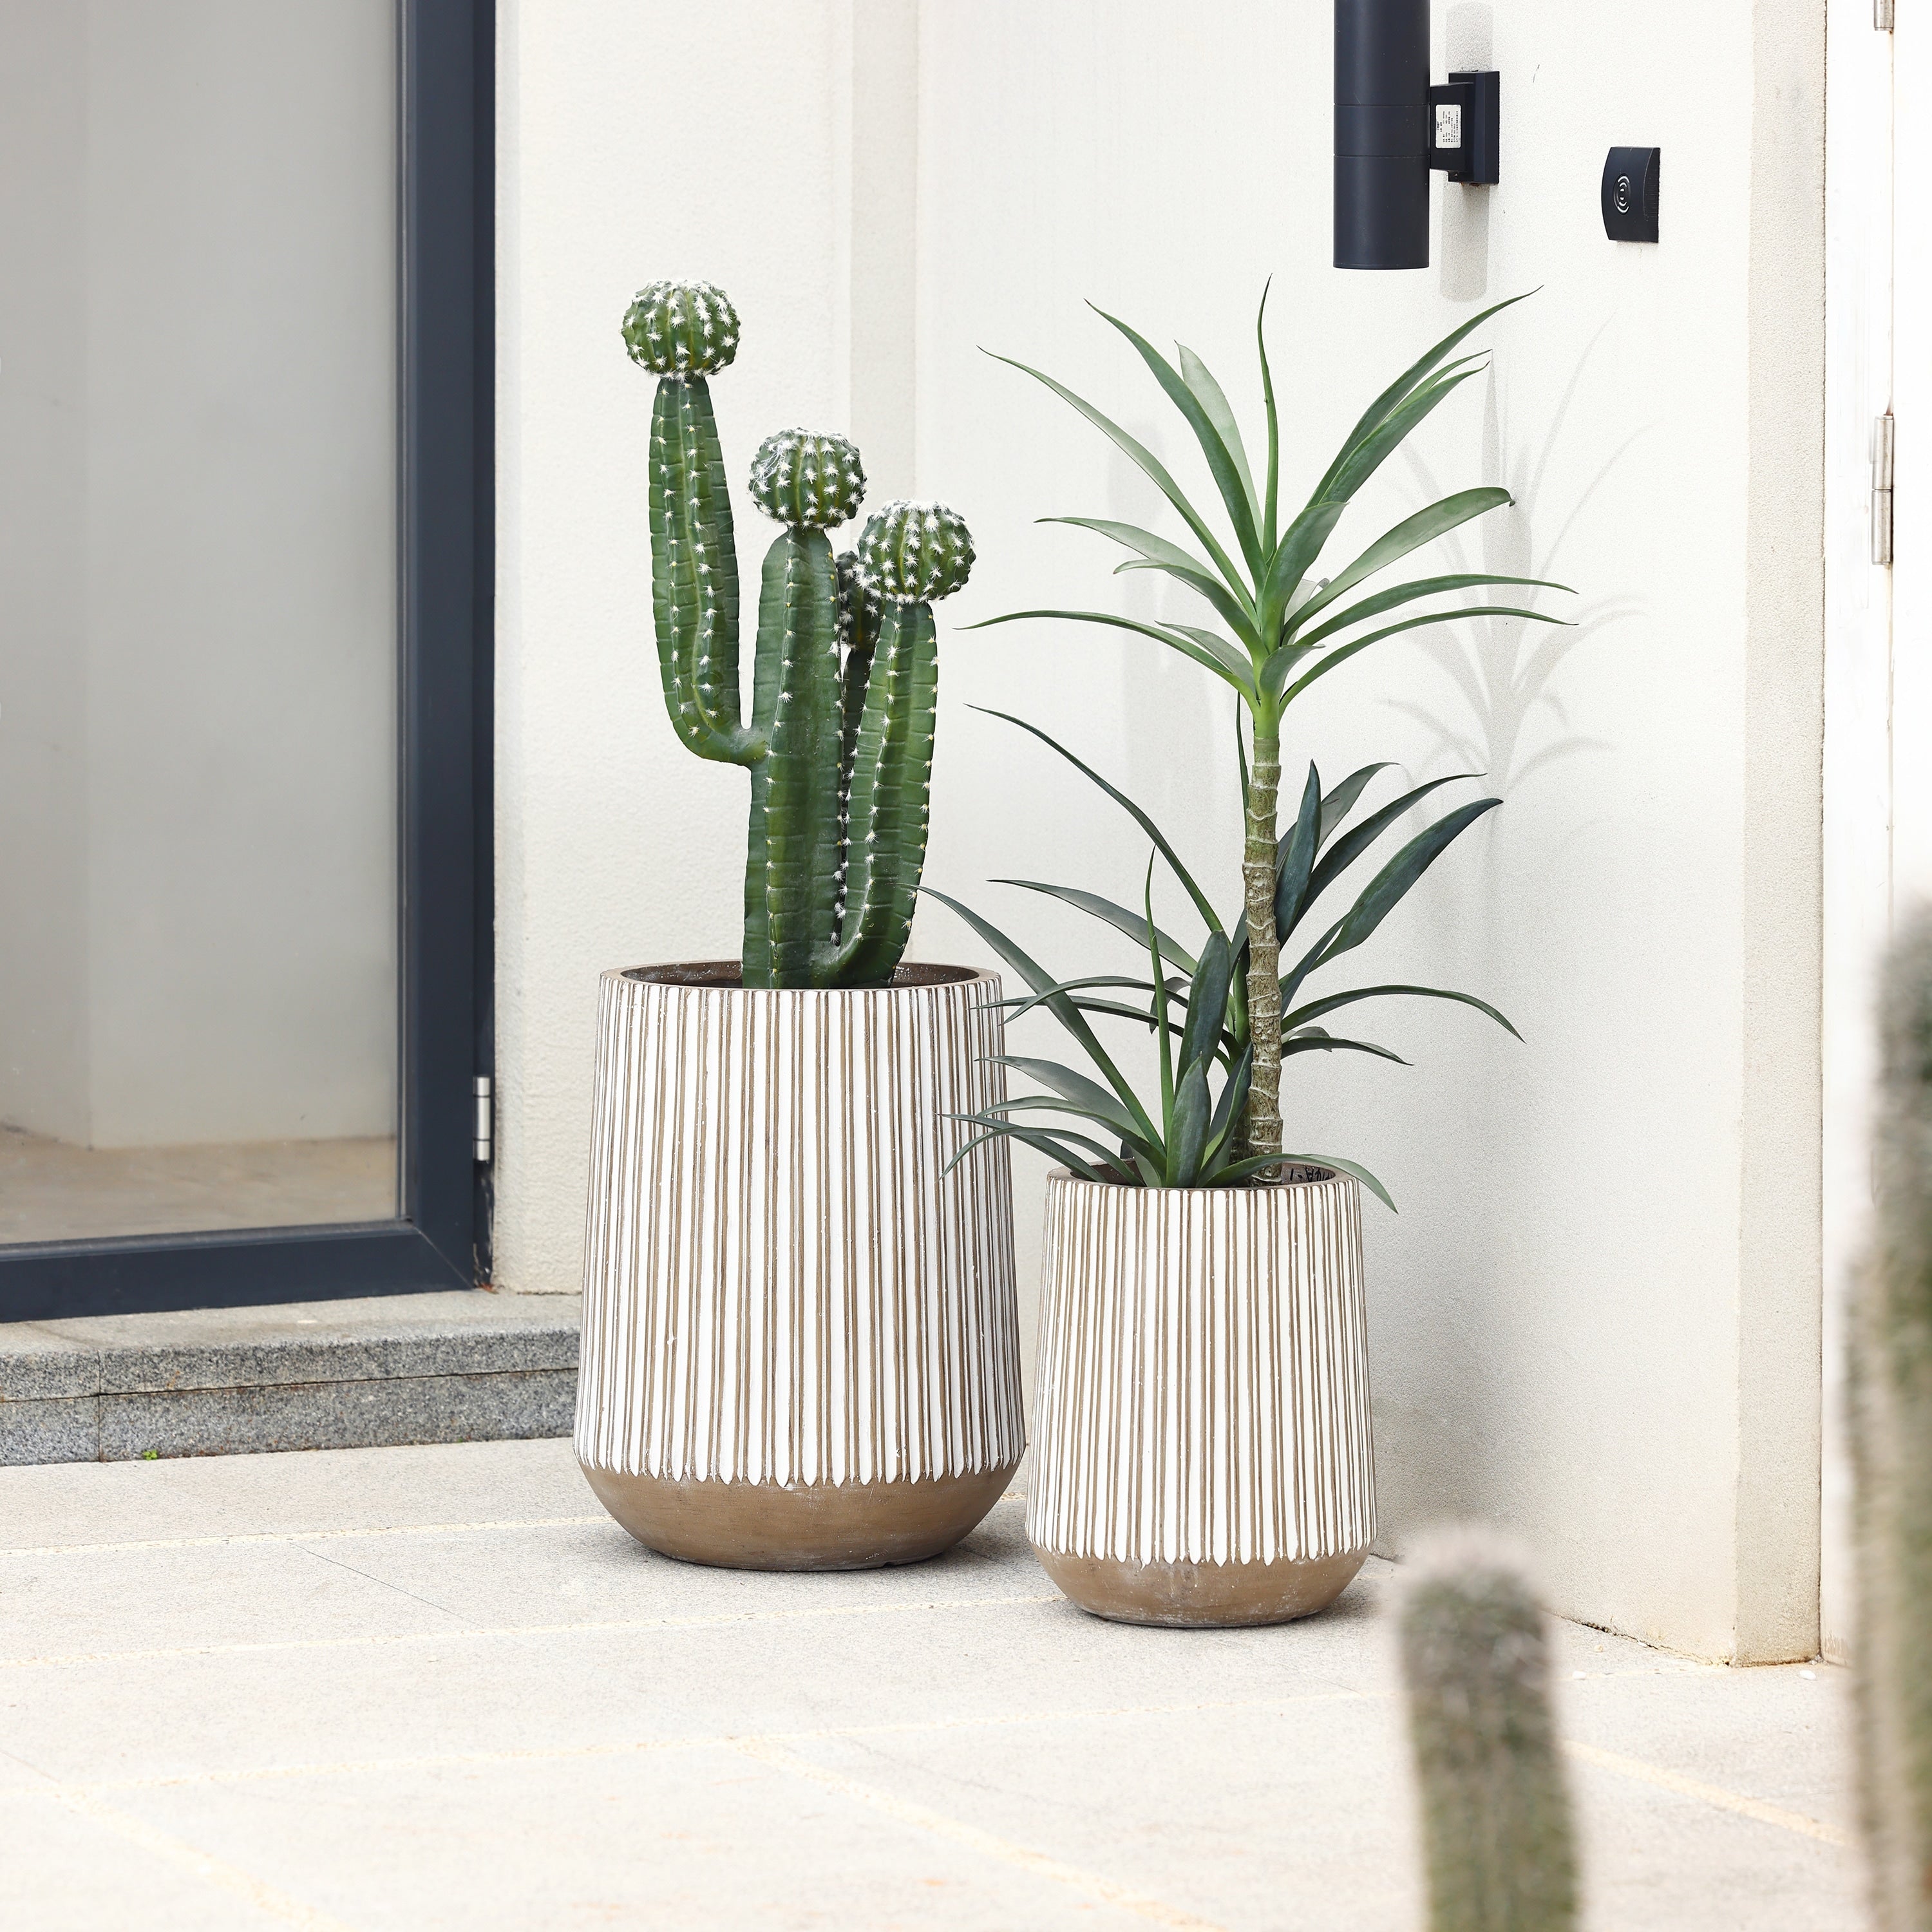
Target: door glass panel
198,601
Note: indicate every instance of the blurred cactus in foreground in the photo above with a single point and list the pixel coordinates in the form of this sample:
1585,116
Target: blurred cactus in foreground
1495,1810
1891,1410
840,757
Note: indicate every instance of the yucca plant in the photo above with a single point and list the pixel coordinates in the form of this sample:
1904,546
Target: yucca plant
1190,1136
1283,628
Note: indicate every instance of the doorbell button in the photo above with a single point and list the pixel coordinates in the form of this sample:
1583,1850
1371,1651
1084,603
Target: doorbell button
1630,193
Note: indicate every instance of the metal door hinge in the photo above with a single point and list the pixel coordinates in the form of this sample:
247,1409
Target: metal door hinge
1883,432
484,1114
1882,15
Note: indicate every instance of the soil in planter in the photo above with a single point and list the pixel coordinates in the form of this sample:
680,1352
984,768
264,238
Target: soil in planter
729,973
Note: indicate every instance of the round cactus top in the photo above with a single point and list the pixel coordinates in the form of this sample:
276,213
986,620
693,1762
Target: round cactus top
913,553
809,480
682,328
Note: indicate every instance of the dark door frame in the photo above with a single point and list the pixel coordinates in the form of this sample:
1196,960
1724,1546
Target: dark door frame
446,489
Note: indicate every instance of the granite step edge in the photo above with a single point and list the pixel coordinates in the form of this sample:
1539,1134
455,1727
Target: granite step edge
389,1412
385,1338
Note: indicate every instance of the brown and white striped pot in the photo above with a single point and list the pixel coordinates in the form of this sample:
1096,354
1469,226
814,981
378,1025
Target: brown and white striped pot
800,1334
1201,1452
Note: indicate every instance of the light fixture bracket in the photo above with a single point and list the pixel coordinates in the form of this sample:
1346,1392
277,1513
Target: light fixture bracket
1465,128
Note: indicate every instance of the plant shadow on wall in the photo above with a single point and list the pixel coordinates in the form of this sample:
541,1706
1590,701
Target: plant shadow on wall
1228,1013
1506,680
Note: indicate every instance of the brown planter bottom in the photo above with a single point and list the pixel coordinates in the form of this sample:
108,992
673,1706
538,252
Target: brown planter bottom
1201,1596
806,1526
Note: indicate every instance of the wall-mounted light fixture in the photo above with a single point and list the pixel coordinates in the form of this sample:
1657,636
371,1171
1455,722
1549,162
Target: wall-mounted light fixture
1392,127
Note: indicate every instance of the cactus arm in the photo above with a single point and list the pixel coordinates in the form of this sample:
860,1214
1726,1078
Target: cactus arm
791,864
858,637
854,680
1891,1437
891,790
694,574
1496,1814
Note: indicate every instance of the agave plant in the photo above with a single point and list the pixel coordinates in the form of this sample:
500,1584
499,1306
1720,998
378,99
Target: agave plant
1282,626
1191,1135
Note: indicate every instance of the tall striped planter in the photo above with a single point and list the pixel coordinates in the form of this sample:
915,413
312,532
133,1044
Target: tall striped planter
800,1336
1201,1448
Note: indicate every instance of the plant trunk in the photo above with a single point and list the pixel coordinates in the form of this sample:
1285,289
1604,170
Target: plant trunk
1262,1126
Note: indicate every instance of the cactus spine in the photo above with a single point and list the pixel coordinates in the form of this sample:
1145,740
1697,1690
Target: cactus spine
1495,1812
1892,1411
840,759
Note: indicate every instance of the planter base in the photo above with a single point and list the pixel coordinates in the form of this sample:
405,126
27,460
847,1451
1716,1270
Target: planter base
806,1526
1201,1596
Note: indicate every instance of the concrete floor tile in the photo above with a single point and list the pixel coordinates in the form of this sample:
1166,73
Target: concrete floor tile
713,1838
1768,1734
495,1710
1295,1814
103,1866
280,1495
145,1602
442,1693
1656,1860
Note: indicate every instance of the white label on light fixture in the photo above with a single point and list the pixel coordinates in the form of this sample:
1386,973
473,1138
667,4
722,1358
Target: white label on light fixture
1448,127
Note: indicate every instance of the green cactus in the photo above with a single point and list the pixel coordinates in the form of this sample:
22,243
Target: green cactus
1495,1811
840,759
1892,1415
908,554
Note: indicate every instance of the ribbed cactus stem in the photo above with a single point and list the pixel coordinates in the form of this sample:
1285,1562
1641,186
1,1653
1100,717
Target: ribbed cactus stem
792,858
859,612
890,800
1495,1810
908,554
679,330
694,573
1891,1410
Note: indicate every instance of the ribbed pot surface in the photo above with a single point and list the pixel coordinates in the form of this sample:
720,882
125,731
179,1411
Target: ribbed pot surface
800,1335
1202,1444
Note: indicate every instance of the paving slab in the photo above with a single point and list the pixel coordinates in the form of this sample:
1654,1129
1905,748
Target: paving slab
435,1687
138,1504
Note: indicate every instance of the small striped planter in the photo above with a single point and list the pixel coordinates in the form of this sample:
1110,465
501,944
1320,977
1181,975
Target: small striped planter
1201,1448
800,1334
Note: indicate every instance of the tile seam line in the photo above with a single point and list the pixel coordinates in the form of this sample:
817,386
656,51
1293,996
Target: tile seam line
245,1537
51,1787
1718,1796
973,1837
54,1788
218,1873
698,1620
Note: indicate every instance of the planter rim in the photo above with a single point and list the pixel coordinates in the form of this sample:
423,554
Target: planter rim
721,975
1269,1190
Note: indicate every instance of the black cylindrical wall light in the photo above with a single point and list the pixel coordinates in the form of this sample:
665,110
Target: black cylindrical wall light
1391,127
1381,133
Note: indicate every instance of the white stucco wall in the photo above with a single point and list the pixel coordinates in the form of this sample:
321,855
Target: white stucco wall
1595,1318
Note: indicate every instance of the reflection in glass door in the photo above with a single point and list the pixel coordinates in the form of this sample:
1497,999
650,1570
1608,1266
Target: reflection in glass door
198,991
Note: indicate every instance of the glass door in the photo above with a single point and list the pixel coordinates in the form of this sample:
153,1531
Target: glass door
243,647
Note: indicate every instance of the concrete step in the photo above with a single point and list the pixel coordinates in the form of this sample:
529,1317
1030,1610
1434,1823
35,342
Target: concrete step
465,1366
